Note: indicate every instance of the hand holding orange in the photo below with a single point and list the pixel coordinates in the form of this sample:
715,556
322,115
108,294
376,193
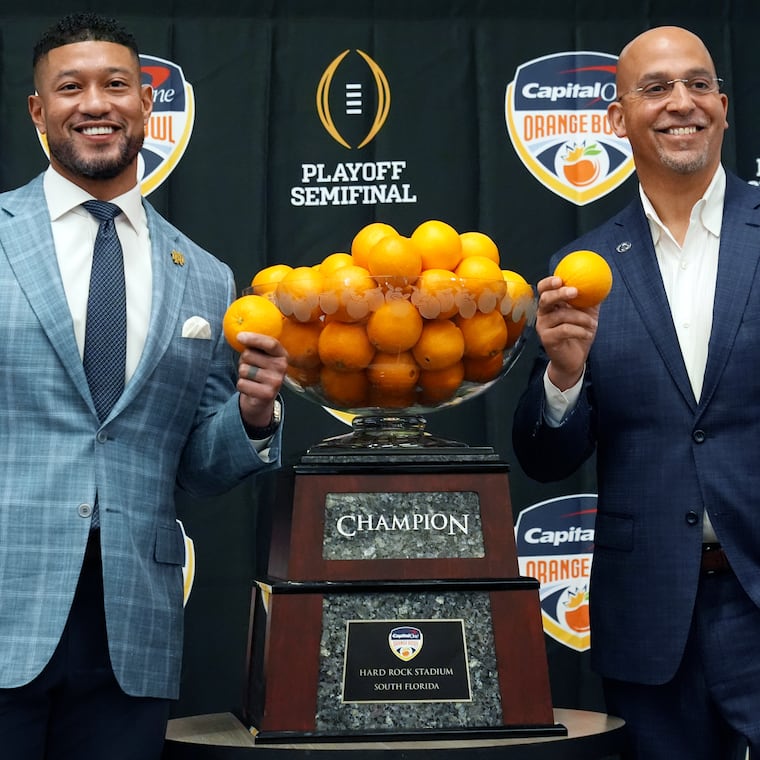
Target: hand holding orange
251,313
589,273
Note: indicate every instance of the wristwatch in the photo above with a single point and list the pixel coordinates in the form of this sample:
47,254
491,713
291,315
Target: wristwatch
260,433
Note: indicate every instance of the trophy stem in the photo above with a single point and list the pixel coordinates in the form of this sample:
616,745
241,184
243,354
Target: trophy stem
388,431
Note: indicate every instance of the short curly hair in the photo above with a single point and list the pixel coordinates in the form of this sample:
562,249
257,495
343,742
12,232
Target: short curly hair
82,27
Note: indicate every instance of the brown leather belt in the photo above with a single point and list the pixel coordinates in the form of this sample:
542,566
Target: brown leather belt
714,560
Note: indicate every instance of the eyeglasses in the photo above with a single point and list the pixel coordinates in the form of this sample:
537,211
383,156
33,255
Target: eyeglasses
660,89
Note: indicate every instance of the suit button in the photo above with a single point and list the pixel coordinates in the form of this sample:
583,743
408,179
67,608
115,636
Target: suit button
692,518
699,436
84,510
102,436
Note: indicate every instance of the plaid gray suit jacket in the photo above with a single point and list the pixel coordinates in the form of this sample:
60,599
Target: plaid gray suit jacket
177,424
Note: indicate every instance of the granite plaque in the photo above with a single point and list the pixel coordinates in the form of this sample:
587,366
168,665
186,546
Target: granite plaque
389,525
390,661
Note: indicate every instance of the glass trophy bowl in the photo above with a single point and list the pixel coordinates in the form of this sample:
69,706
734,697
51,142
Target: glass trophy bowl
384,354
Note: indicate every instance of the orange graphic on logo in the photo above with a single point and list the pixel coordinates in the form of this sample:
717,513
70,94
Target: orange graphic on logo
576,612
580,165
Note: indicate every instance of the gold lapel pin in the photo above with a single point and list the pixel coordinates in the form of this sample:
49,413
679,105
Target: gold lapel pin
178,258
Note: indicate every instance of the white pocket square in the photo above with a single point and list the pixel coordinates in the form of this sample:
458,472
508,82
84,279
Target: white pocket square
196,327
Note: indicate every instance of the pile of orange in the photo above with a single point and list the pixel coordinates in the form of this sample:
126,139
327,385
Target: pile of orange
398,320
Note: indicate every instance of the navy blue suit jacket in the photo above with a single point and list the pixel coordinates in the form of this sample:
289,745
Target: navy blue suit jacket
662,457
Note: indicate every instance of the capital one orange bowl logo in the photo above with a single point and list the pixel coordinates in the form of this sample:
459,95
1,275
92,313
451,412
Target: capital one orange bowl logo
555,542
170,125
346,94
556,115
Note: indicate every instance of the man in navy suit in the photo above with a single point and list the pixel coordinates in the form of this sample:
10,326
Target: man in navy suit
660,382
91,554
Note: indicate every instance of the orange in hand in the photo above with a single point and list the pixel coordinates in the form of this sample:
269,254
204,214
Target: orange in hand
589,273
251,314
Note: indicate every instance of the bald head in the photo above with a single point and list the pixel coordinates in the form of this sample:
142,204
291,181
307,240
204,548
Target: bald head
654,52
675,129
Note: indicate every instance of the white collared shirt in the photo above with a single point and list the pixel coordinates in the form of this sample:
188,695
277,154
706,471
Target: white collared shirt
74,231
689,274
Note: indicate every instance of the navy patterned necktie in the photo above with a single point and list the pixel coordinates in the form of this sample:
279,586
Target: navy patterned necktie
105,342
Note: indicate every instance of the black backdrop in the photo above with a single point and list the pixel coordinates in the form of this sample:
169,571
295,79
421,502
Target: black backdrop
255,66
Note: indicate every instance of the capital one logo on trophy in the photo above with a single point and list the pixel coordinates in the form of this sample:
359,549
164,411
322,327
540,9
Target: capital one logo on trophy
405,642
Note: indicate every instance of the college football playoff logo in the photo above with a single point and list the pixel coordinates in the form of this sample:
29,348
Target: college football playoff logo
352,99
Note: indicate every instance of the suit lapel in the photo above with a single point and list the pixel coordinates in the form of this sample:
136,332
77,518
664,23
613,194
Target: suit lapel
29,247
169,280
632,253
737,269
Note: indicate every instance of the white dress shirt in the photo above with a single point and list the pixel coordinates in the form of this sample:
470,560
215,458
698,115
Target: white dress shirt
74,231
689,274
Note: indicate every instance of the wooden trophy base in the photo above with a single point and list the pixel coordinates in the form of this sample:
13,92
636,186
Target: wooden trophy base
392,605
400,659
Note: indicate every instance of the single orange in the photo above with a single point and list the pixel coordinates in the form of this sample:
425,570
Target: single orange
440,385
482,281
438,243
395,326
335,261
366,238
516,304
394,261
347,390
348,294
437,293
297,293
485,334
440,345
391,399
303,376
251,313
300,340
265,280
482,369
345,346
393,372
589,273
478,244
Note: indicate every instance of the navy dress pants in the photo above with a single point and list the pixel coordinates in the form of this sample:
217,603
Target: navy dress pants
710,710
75,709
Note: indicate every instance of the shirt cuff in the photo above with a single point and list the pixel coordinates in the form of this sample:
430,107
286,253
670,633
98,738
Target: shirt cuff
559,403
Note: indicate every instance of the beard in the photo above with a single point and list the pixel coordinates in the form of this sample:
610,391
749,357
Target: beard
684,162
104,167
